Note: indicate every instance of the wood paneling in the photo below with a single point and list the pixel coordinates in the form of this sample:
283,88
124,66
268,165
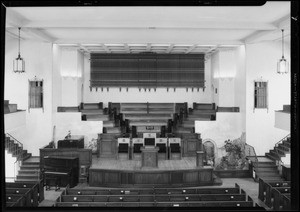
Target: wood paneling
102,177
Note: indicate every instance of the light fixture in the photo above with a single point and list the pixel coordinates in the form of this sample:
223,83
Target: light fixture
19,63
282,64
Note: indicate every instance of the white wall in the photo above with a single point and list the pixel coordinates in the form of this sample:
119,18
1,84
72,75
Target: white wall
223,72
38,62
227,126
56,78
134,95
72,122
14,121
11,168
283,120
261,63
240,82
71,71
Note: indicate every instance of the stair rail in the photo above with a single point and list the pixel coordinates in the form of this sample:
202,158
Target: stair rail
276,145
289,135
253,153
14,148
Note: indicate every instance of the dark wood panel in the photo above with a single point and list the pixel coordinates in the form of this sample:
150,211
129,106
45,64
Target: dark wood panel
100,177
190,177
190,147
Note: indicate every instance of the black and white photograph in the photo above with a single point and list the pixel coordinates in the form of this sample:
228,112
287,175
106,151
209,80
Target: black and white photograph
138,105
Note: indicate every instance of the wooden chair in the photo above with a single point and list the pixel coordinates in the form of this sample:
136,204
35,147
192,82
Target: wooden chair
174,147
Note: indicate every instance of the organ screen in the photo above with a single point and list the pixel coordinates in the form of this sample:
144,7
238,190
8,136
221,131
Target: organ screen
147,70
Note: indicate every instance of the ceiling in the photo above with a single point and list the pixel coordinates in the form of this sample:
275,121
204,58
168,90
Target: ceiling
151,29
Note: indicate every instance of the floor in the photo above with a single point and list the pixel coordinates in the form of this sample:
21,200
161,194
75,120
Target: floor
247,184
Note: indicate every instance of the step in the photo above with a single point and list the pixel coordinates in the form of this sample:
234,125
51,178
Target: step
272,157
277,178
110,130
26,162
26,180
26,155
202,106
266,169
280,151
284,148
97,117
108,124
143,116
188,123
184,130
275,154
148,123
286,143
207,111
91,106
92,111
197,119
186,135
110,135
29,172
29,167
27,176
267,173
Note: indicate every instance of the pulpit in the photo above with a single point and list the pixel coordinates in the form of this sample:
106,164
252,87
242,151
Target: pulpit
149,156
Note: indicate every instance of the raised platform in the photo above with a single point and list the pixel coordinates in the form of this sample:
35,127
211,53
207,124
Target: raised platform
129,173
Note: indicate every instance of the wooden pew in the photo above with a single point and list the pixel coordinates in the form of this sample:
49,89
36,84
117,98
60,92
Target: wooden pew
37,194
277,196
265,188
26,192
16,200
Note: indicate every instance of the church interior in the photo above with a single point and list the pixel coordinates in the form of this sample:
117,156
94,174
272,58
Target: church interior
148,106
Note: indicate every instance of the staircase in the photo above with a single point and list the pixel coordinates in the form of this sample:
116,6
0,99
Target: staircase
29,170
14,147
266,167
30,166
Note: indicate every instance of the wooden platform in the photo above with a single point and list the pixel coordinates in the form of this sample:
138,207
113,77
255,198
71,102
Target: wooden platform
126,173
